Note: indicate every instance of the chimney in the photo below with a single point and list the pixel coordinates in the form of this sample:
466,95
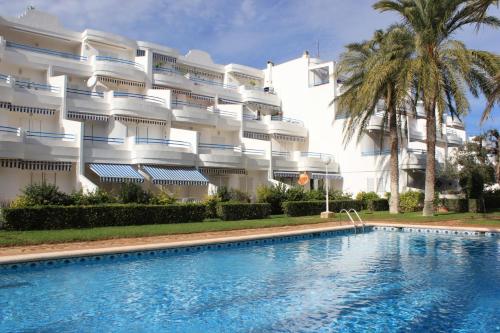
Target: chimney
305,54
268,76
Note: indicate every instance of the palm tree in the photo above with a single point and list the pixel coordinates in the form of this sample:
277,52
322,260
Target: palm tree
443,66
373,71
492,99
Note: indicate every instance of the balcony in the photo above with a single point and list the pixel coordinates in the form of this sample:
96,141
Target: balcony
118,68
161,151
254,123
256,159
11,142
453,139
86,101
91,139
28,93
227,120
287,126
313,161
220,155
191,113
137,105
258,95
376,123
171,77
22,53
414,160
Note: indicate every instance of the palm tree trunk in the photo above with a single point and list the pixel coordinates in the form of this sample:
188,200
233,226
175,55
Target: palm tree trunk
430,167
394,162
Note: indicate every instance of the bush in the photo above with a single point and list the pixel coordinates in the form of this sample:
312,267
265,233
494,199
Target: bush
305,208
92,198
239,196
411,201
366,197
163,198
223,194
43,194
59,217
315,195
273,195
211,206
228,211
133,193
455,205
296,193
378,205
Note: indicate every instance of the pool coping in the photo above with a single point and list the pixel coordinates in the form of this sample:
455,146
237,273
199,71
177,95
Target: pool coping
22,258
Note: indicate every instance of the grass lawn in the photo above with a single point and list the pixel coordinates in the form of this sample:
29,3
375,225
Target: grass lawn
13,238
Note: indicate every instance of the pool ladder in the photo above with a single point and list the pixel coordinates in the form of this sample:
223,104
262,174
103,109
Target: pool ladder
348,212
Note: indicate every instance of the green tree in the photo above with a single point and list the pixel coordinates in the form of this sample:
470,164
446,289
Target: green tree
443,67
374,72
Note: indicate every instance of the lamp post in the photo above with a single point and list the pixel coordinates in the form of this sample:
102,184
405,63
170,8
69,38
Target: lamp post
326,214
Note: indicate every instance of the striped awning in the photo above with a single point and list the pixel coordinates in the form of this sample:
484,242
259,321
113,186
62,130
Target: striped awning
175,176
131,119
120,81
286,174
87,116
35,165
27,109
222,171
116,173
283,137
332,176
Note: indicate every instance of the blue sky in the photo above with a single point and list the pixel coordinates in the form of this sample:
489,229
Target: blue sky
248,32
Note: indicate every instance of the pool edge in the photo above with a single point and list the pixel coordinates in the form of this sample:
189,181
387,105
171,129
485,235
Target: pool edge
23,258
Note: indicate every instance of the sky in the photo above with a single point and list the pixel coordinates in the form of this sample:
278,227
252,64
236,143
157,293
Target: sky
248,32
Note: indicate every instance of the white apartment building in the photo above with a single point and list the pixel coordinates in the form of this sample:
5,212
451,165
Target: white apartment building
91,109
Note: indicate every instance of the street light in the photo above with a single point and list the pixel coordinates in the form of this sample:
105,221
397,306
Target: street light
327,160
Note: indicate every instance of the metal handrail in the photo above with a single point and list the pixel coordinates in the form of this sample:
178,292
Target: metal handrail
46,51
120,61
139,96
352,220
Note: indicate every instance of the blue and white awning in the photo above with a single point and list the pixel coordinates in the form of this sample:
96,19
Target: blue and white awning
35,165
87,116
116,173
332,176
175,176
27,109
286,174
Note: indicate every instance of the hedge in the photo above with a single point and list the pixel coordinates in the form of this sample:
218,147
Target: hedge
62,217
456,205
304,208
378,205
242,211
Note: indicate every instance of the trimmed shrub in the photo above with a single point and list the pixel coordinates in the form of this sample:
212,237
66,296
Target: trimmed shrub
492,199
62,217
411,201
305,208
296,193
315,195
367,196
229,211
163,198
93,198
455,205
378,205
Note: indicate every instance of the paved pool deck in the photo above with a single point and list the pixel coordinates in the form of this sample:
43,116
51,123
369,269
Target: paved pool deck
76,249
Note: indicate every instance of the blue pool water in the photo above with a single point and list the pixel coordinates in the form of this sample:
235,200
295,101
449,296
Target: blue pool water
379,281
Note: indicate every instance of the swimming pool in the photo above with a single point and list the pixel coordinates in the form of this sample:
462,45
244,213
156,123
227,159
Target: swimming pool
378,281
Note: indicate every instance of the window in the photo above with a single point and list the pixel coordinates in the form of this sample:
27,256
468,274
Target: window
319,76
141,53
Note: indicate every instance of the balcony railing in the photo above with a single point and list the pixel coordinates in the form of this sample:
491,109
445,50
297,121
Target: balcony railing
104,139
261,89
315,155
50,135
36,86
376,152
219,146
225,113
287,120
120,61
84,92
259,152
247,116
212,83
60,54
193,105
139,96
4,78
9,129
277,153
416,151
170,143
167,70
